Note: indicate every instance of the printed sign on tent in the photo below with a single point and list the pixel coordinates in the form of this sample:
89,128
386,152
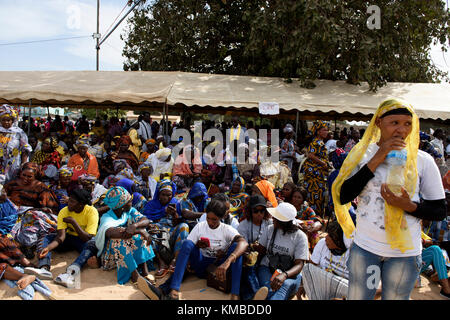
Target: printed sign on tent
269,108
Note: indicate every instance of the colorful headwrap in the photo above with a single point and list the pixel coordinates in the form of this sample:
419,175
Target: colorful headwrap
83,140
143,166
319,125
65,171
117,197
53,142
165,184
31,166
89,178
7,110
241,182
152,141
397,236
125,140
118,162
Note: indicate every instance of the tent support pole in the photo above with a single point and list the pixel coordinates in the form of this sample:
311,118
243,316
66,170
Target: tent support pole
29,117
296,125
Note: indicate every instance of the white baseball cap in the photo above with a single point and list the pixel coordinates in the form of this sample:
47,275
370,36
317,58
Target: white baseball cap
284,212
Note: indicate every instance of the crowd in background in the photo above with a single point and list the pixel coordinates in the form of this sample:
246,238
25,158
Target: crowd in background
112,190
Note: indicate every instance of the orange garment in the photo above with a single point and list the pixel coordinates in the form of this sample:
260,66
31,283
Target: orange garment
181,166
77,163
266,189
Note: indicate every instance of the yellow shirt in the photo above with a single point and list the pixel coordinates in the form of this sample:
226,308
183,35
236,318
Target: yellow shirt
86,219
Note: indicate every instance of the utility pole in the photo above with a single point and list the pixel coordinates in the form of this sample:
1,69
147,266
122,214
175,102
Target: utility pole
97,35
97,47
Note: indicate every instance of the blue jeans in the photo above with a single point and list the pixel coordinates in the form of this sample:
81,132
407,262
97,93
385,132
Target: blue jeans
398,275
287,290
249,282
86,249
190,253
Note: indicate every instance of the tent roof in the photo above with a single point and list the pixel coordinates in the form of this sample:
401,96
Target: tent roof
144,89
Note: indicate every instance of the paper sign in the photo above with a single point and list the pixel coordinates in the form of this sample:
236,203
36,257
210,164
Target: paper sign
269,108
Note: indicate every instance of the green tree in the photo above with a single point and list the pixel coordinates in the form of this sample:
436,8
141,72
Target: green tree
304,39
92,113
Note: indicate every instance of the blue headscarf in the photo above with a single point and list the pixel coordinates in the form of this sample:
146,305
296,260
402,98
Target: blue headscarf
199,189
153,209
126,184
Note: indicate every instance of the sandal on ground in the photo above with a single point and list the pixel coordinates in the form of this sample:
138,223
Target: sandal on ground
161,273
65,280
152,292
150,278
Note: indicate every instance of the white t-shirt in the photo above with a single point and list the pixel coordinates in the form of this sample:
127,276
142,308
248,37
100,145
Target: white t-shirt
234,222
294,244
219,238
326,260
370,233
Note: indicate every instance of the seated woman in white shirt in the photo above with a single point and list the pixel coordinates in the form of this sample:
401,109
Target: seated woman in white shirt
325,277
209,242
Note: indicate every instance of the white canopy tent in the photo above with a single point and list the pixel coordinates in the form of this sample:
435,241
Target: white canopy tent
177,90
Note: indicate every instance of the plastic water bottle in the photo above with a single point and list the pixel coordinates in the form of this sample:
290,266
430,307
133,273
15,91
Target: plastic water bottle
75,271
396,160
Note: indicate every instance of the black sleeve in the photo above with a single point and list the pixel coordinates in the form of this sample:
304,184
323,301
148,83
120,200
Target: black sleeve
352,187
432,210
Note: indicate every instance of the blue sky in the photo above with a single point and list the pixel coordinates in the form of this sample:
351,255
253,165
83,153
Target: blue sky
31,20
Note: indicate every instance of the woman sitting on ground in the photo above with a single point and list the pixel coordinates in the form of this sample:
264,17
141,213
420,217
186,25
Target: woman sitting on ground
63,186
209,242
193,207
11,256
309,221
122,240
255,223
326,276
126,154
162,211
27,191
146,185
284,247
238,197
49,154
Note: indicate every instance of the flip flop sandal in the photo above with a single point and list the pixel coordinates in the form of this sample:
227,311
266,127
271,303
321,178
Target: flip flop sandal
159,275
151,278
65,280
148,289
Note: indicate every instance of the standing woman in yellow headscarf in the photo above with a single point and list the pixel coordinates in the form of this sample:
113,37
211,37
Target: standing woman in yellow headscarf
387,244
14,147
315,168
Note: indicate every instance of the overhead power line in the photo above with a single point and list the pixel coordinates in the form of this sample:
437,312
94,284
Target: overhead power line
44,40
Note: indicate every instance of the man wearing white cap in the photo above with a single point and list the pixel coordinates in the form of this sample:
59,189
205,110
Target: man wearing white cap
285,250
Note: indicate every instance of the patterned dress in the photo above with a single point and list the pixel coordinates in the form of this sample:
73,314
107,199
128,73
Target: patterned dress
307,214
315,176
126,254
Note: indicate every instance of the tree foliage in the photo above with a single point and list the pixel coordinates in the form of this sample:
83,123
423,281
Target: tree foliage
304,39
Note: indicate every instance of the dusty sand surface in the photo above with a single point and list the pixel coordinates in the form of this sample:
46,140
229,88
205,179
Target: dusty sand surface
97,284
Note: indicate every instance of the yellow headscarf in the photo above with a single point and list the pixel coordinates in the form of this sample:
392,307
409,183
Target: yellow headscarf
397,232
